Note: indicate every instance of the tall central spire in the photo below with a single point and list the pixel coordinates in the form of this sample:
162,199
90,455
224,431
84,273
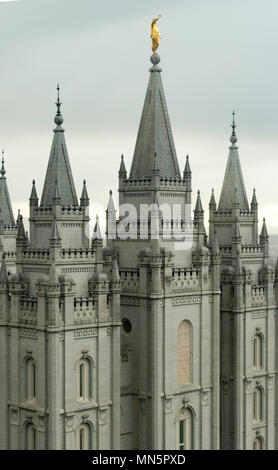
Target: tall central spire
233,178
155,133
59,172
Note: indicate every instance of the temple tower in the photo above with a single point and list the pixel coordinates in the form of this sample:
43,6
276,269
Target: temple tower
60,323
170,294
248,315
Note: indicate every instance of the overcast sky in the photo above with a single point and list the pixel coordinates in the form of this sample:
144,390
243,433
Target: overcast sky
216,56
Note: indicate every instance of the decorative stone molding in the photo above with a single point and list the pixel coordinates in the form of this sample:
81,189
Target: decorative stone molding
176,301
86,333
261,314
131,301
28,333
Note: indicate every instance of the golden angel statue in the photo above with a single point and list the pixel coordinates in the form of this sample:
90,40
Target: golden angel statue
155,34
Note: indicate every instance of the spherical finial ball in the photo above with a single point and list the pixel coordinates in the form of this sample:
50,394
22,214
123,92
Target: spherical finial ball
59,120
155,59
233,139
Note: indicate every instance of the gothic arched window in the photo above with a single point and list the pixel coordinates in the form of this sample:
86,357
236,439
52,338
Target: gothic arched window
258,443
185,431
184,353
30,379
258,404
84,379
85,437
258,351
30,437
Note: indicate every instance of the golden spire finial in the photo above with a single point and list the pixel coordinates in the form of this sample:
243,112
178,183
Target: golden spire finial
155,34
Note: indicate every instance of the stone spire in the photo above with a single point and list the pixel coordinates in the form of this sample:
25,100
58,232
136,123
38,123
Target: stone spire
233,177
198,207
34,197
59,168
5,202
187,169
212,202
3,272
84,200
155,134
21,234
110,218
254,202
122,170
97,232
264,234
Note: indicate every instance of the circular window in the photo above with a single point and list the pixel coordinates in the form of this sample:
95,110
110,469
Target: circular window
127,327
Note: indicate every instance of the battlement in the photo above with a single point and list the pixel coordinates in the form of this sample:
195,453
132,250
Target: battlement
84,310
144,182
74,253
28,310
40,254
185,279
10,228
258,295
130,280
252,249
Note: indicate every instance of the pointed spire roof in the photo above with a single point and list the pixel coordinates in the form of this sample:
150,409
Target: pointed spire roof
33,196
59,168
212,202
254,201
111,206
198,207
3,272
5,202
233,177
84,200
122,170
187,169
20,229
97,232
264,234
115,271
155,134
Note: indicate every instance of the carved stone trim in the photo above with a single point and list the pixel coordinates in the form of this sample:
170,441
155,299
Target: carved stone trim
176,301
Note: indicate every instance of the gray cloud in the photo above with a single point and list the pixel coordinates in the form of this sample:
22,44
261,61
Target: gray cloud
215,56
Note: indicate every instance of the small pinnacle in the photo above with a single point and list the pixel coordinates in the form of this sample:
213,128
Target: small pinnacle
3,171
110,192
233,138
58,118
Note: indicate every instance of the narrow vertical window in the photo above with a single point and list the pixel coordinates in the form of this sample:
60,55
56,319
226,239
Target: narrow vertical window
258,404
184,353
185,431
30,379
85,437
84,385
258,351
30,437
